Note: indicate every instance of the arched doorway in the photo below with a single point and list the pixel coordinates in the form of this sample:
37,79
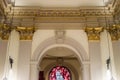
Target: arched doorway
59,57
79,53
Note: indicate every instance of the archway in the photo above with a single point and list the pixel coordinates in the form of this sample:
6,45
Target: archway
68,43
76,55
80,53
67,58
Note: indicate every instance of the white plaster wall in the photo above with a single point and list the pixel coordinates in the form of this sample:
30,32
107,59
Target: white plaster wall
81,37
39,37
77,67
116,50
24,60
95,61
3,49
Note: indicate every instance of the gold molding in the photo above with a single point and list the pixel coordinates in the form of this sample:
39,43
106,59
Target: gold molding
38,12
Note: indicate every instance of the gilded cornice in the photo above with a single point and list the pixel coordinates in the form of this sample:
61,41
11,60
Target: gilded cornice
117,9
1,8
4,6
116,12
114,30
79,12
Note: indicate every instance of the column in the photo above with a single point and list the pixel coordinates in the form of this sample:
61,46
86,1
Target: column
34,71
12,52
106,52
86,71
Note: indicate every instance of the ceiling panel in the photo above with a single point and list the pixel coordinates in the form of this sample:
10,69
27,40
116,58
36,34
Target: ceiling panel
60,3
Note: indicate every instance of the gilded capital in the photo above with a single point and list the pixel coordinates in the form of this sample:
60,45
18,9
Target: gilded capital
114,31
93,32
26,33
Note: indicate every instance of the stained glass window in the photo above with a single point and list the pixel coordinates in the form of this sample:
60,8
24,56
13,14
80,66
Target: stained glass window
59,73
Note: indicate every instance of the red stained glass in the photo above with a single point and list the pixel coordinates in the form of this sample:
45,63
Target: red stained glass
59,73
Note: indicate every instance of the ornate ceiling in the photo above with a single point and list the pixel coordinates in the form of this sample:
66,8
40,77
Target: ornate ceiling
55,14
60,3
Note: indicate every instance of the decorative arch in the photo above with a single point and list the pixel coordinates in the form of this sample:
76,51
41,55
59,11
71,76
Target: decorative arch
48,41
69,43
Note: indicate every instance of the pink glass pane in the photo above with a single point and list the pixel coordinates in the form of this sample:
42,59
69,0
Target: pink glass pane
59,73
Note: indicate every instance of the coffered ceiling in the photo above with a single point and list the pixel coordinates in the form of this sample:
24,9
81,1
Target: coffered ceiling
60,3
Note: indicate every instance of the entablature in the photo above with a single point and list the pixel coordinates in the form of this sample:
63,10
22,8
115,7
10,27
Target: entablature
93,33
58,12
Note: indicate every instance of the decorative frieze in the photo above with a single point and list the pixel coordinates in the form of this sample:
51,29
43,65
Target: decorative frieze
37,12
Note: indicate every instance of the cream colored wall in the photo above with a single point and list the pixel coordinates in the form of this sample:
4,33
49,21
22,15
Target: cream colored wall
72,64
95,61
116,49
3,49
24,60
